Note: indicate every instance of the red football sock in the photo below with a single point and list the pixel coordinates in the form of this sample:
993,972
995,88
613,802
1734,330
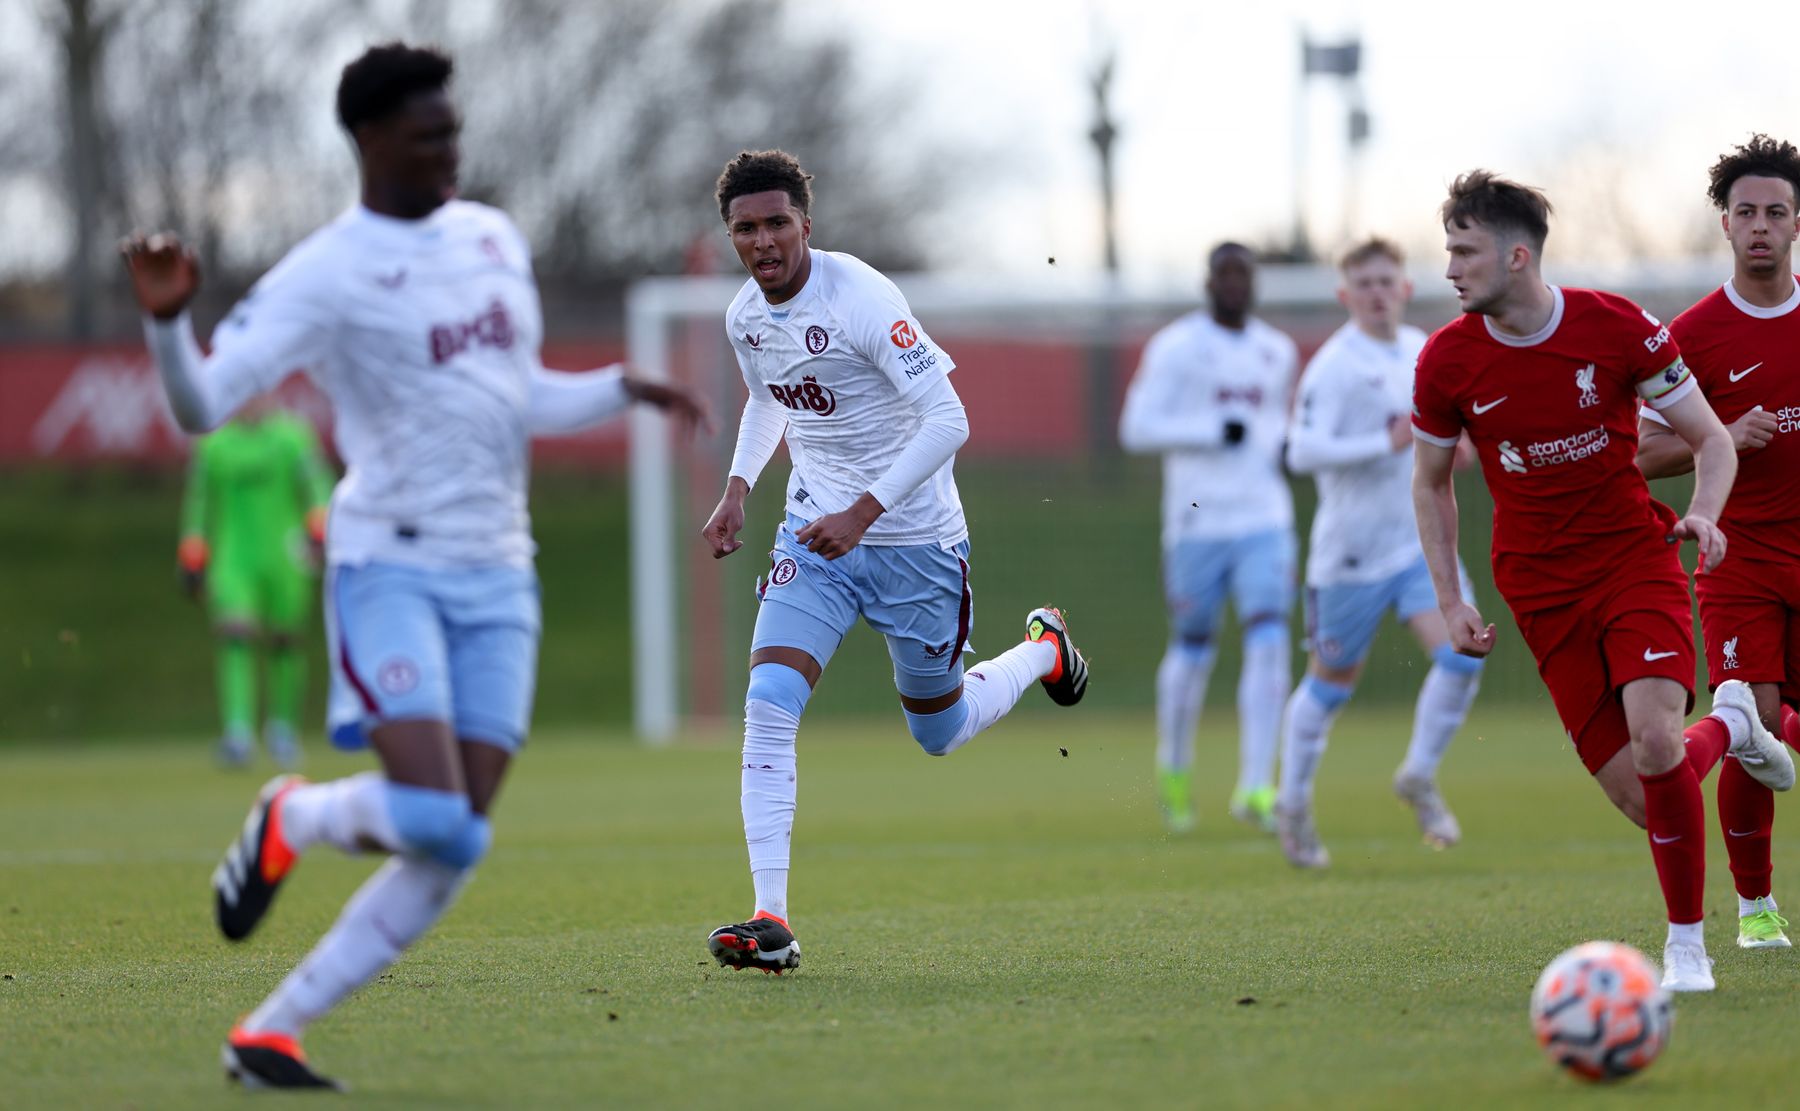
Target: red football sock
1676,814
1790,726
1707,740
1747,818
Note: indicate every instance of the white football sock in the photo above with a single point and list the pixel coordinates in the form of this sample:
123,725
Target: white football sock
769,784
1690,933
771,891
1747,907
1306,731
350,814
1444,701
388,913
1180,693
1737,722
1262,689
993,687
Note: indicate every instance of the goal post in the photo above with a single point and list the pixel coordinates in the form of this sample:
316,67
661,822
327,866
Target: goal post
1042,367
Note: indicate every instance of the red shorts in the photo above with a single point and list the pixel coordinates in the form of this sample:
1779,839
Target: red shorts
1750,616
1624,630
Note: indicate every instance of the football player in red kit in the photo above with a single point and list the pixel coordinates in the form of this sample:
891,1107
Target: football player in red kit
1742,342
1546,382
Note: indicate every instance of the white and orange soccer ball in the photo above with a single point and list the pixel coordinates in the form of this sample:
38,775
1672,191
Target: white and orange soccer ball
1599,1010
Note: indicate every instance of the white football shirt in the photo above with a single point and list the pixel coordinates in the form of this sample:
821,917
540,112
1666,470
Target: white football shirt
425,335
1195,376
843,357
1364,529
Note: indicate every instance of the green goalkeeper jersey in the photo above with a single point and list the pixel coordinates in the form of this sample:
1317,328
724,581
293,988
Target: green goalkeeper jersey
251,488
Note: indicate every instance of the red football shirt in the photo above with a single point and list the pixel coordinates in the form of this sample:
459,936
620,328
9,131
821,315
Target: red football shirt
1553,417
1744,356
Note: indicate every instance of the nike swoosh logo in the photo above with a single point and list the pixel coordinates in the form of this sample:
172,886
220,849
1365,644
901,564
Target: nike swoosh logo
1744,833
1650,656
1480,408
1665,840
1745,373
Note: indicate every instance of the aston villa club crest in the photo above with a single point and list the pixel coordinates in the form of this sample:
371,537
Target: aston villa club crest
817,340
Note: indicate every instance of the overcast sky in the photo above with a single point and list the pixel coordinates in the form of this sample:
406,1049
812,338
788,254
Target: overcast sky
1617,108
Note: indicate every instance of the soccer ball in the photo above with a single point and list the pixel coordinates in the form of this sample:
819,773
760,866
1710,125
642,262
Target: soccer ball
1599,1011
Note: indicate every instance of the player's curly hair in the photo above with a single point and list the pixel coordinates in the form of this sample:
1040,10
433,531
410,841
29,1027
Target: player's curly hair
1373,247
1484,197
1760,157
761,171
375,85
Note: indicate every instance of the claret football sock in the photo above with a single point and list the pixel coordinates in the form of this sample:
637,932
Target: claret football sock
1747,819
1675,812
1708,738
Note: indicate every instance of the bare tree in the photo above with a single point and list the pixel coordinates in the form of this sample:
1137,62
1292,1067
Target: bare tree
601,127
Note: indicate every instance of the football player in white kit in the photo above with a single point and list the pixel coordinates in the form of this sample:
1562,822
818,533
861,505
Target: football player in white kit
1211,397
835,362
417,314
1352,431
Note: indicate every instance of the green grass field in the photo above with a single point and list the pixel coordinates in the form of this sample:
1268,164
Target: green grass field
1005,928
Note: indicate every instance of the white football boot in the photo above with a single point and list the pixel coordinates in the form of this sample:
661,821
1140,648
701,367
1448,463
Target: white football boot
1759,753
1686,967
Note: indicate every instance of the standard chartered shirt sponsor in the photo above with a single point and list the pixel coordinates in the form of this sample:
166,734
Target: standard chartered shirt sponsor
1568,449
843,357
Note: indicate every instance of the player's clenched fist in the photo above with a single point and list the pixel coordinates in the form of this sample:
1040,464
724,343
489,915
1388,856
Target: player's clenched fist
1704,533
164,273
727,520
1469,635
1753,430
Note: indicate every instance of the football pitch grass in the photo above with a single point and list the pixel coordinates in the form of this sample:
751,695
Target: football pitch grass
1009,927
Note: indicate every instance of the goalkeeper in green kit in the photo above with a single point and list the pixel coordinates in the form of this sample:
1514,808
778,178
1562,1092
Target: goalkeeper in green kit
251,526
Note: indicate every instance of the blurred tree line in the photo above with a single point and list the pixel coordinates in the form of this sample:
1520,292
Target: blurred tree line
600,126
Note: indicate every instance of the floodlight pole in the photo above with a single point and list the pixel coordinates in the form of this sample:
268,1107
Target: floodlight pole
1103,134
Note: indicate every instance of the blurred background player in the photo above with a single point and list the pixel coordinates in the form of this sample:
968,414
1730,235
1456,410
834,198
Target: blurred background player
252,523
1352,432
1742,342
1211,396
1546,381
418,315
835,362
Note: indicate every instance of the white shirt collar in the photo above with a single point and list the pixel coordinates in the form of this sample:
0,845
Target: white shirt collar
1537,337
1745,307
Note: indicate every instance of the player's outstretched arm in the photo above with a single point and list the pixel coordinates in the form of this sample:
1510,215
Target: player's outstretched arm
1715,468
559,403
1434,504
285,331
